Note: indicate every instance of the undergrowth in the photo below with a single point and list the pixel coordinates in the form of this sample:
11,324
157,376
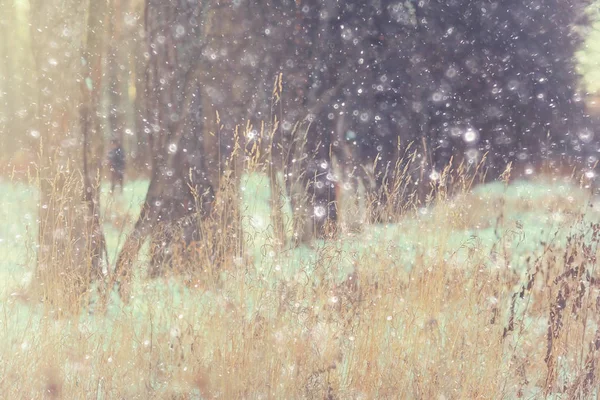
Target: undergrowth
490,293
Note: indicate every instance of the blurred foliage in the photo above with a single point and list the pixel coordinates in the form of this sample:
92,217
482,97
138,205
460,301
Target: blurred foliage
589,56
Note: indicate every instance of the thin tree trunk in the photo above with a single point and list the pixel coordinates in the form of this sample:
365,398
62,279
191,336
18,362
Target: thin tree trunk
139,64
91,127
62,264
7,75
118,71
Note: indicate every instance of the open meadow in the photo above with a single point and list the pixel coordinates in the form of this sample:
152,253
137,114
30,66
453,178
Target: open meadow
490,294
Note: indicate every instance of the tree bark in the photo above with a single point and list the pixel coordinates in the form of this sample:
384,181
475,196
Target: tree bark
91,127
172,98
118,71
8,94
139,62
63,268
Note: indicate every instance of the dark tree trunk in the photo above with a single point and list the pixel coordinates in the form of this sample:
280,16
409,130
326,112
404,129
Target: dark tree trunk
300,47
179,187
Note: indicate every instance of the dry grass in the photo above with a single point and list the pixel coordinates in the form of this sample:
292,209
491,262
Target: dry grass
468,294
460,299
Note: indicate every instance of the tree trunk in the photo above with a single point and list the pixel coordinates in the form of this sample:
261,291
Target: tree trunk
7,79
91,127
63,268
118,71
139,47
172,99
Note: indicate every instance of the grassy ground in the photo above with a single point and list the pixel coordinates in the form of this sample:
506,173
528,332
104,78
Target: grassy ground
420,309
